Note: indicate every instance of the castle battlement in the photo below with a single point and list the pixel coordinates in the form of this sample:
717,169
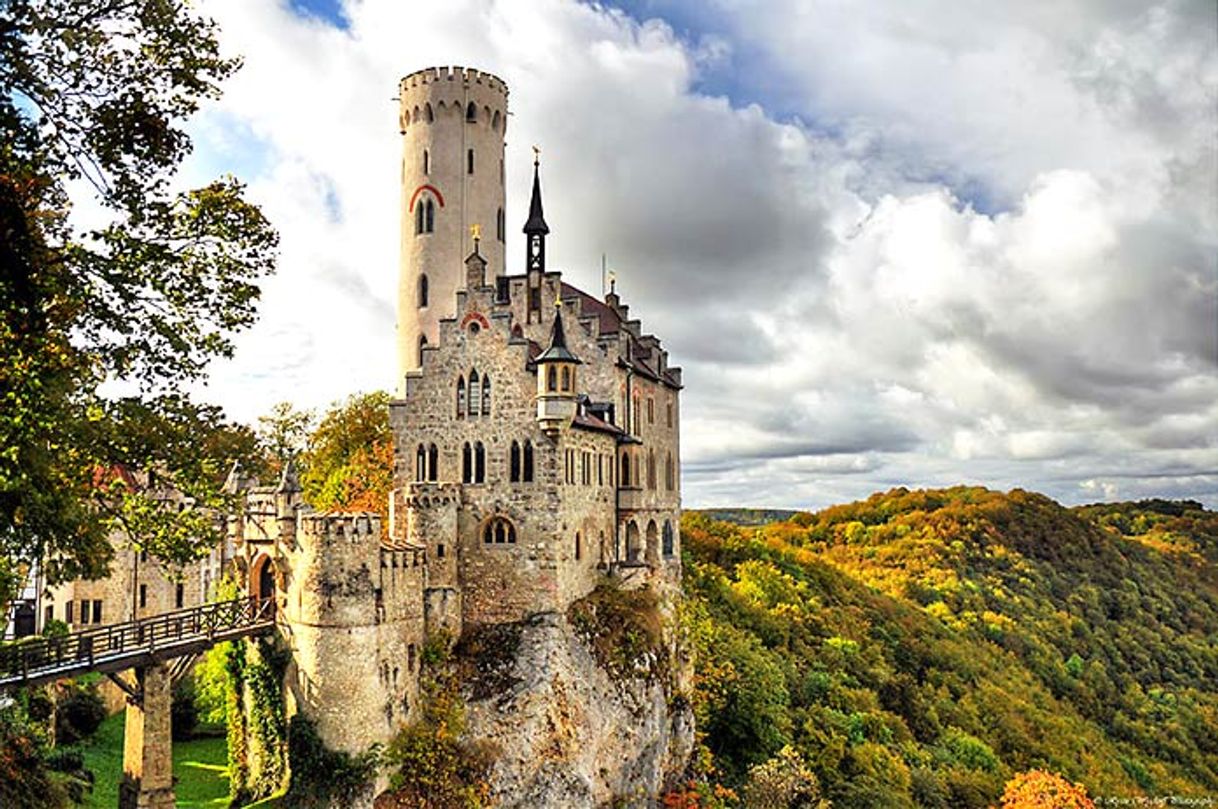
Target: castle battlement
454,74
331,527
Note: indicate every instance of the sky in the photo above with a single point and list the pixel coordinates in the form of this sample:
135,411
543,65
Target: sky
900,243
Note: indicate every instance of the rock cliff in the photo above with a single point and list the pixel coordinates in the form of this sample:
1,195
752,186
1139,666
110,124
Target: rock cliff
585,709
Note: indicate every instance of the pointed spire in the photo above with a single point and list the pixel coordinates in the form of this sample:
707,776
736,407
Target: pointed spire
557,351
289,480
537,221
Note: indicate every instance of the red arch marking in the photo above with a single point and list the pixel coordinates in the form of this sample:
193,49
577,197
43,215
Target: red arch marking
420,190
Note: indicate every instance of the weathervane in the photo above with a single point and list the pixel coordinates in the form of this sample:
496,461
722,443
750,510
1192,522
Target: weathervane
536,155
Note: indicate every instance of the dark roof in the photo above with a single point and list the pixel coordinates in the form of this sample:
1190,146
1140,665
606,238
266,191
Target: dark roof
591,307
537,221
589,422
557,350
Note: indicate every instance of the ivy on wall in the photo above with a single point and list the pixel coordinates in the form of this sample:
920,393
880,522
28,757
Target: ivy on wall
257,723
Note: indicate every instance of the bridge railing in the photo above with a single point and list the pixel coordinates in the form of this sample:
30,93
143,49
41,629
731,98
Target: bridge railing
90,647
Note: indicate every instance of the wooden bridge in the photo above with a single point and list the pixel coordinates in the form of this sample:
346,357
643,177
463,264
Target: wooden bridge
159,649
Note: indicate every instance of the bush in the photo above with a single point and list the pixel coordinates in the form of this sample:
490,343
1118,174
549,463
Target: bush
79,714
184,714
65,759
25,780
323,777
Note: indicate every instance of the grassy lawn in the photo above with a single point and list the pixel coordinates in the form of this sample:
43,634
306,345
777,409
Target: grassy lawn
200,766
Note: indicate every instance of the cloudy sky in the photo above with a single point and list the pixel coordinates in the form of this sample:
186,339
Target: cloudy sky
901,242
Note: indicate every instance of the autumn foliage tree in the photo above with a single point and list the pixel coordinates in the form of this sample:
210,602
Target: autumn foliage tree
1037,789
348,462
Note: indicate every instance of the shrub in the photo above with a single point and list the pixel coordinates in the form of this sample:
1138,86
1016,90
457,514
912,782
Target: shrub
184,713
323,777
79,714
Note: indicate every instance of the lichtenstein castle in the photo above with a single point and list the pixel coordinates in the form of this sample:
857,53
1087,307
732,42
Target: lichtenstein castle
536,439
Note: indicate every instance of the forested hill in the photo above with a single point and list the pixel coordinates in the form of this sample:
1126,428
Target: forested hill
921,648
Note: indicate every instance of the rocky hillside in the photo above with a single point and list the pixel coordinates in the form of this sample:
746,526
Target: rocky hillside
921,648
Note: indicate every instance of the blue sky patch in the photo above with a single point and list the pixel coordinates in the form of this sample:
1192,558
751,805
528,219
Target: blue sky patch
328,11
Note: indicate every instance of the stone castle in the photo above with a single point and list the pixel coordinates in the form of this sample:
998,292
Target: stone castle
536,436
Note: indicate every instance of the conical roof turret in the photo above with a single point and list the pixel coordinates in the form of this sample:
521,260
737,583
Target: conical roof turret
537,220
557,351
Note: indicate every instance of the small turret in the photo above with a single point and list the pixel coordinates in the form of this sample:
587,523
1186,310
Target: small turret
475,264
556,378
535,230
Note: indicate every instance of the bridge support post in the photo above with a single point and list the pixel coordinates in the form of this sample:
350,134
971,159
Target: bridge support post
147,748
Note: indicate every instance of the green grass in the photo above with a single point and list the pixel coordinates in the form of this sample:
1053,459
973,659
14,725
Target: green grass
199,765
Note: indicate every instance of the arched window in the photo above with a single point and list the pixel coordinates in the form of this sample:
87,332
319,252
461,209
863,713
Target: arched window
426,162
422,290
433,463
634,414
475,393
670,477
552,379
467,463
495,120
528,461
578,549
471,112
651,469
460,396
418,218
635,472
430,116
479,463
469,161
420,464
632,542
514,463
566,378
429,219
670,414
653,543
422,345
625,473
667,538
486,395
499,531
499,225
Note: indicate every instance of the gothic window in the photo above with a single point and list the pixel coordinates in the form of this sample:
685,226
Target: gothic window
667,538
433,463
651,410
486,395
528,461
651,469
422,345
469,161
499,225
420,464
467,463
499,531
625,474
495,121
430,116
479,463
475,394
514,463
471,113
422,290
426,162
670,476
429,219
460,396
566,378
635,472
552,379
634,413
578,549
670,414
418,218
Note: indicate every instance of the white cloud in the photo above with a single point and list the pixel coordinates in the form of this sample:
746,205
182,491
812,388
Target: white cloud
847,318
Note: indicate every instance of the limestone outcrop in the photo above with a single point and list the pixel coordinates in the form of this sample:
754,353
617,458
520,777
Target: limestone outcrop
568,731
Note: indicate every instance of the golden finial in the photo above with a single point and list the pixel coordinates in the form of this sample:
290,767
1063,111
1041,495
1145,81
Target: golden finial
536,155
475,230
558,296
612,282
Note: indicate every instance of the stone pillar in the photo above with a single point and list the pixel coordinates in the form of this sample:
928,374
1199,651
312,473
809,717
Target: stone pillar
147,746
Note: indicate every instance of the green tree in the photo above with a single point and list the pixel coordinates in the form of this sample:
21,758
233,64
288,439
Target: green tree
348,465
93,93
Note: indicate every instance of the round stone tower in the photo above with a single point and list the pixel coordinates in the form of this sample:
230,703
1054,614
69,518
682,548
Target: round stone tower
453,122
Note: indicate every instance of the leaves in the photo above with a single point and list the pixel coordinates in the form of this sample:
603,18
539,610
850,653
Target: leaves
98,90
